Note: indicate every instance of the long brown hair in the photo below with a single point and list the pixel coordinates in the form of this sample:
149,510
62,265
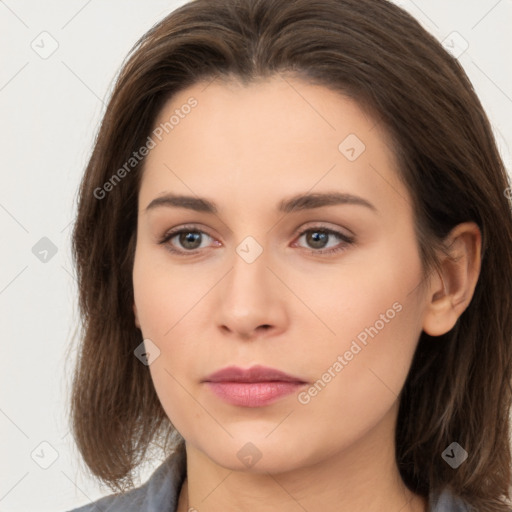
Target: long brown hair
459,384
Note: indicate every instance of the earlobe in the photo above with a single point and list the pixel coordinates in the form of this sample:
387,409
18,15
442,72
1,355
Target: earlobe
451,290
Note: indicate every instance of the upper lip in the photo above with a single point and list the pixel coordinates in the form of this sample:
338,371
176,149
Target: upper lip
254,374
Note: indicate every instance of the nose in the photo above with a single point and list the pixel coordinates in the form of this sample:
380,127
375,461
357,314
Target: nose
250,302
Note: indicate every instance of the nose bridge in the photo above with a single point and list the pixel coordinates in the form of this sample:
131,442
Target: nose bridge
249,275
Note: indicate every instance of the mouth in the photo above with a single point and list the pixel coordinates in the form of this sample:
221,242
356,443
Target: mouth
254,387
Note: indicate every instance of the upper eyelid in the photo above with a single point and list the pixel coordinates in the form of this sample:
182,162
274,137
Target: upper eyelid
319,225
311,225
170,234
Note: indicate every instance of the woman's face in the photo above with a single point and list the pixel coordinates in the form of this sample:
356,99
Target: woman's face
322,288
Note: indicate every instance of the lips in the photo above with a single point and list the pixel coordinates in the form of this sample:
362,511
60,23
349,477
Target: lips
254,374
252,387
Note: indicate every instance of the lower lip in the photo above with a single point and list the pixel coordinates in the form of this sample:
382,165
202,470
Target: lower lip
253,394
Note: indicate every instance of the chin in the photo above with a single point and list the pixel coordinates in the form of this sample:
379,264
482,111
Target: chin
255,454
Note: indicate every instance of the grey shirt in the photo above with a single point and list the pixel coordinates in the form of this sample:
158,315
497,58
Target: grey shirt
161,492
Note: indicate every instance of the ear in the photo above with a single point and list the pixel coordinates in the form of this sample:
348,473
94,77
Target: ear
137,324
451,291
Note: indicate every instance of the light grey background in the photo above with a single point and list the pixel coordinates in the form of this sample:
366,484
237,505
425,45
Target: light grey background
49,110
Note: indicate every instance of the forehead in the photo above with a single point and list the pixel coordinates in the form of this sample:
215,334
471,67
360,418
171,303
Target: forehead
283,106
241,140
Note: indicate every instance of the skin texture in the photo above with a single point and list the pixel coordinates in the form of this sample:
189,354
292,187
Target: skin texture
247,148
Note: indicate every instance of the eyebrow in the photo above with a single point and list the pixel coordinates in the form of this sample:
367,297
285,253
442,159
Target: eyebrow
296,203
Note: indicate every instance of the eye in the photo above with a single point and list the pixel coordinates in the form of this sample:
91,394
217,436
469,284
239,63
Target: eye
319,238
190,239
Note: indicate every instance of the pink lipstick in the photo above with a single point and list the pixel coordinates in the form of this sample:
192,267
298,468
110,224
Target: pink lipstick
253,387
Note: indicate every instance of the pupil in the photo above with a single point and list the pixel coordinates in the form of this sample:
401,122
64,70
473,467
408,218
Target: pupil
318,236
189,238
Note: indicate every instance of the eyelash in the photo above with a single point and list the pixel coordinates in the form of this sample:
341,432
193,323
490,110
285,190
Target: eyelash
347,240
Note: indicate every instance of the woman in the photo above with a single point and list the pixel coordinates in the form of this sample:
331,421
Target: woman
293,251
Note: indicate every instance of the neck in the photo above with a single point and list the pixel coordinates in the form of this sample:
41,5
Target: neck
255,499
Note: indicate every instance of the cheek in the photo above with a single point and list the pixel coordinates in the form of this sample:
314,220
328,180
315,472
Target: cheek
176,379
376,326
163,295
358,377
163,301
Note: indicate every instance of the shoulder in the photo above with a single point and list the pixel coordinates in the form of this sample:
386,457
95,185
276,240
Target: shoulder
159,493
445,501
130,502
